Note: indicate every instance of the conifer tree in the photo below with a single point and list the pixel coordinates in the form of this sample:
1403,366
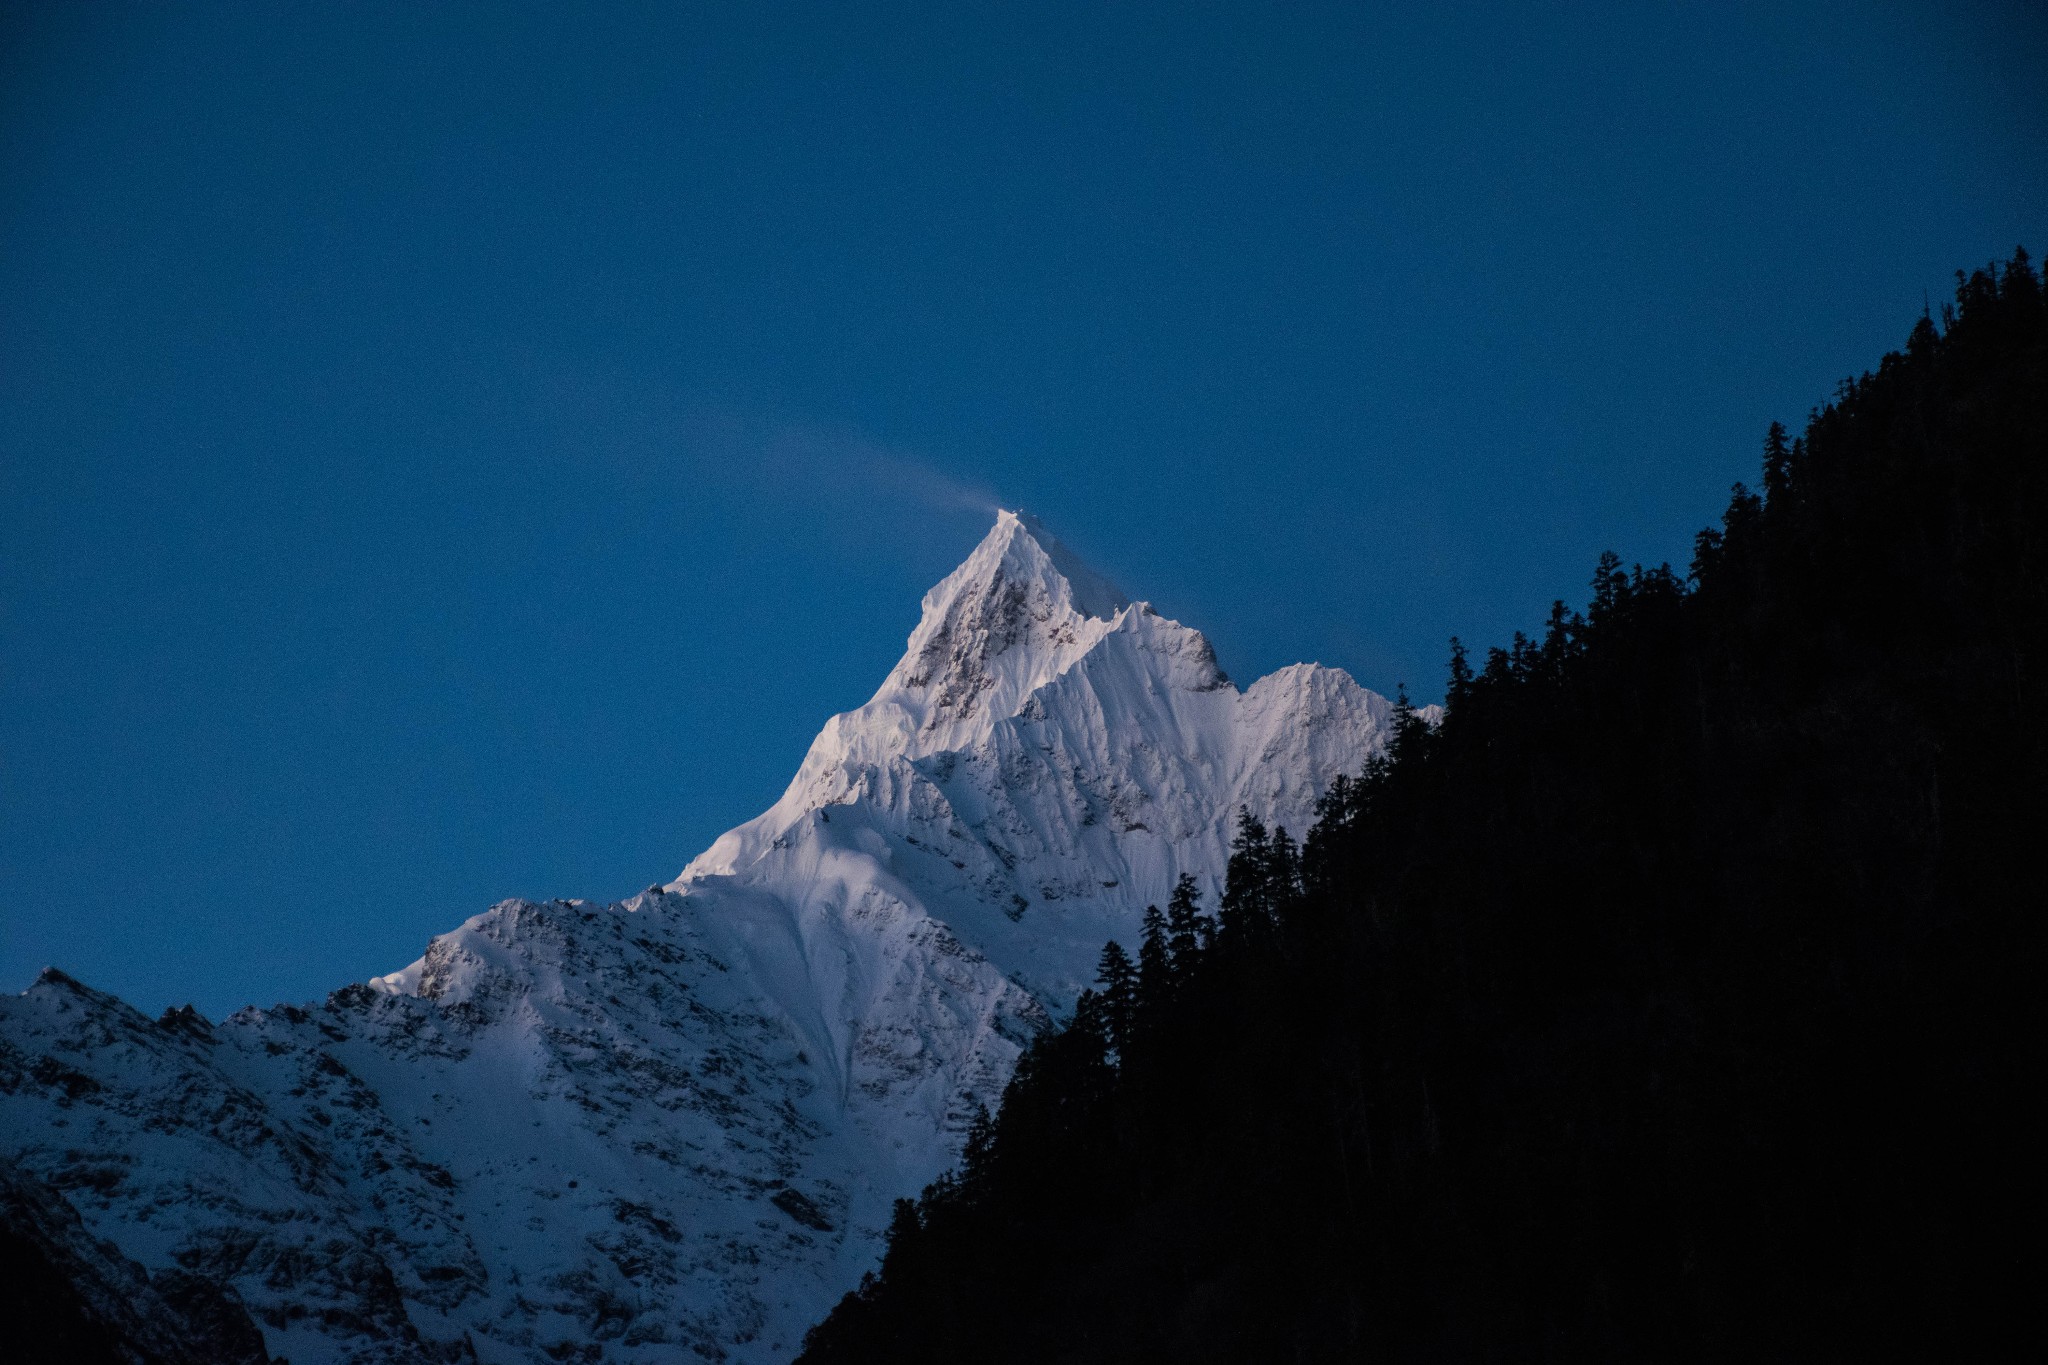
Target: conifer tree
1777,467
977,1155
1155,967
906,1223
1461,673
1283,870
1091,1022
1243,907
1185,927
1410,731
1119,981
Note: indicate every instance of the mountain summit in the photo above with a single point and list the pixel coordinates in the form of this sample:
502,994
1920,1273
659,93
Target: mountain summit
679,1121
1017,614
999,627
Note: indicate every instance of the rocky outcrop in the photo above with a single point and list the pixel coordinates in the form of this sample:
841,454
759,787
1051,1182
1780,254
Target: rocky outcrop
69,1299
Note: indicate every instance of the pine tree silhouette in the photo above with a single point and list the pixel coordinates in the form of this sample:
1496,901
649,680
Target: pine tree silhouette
1677,997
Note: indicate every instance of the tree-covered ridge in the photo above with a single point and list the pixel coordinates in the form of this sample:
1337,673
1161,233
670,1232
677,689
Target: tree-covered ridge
1677,997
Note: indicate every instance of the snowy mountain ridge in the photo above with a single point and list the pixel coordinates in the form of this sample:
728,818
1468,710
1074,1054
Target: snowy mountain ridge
677,1123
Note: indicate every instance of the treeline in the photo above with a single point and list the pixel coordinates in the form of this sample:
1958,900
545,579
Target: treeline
1678,997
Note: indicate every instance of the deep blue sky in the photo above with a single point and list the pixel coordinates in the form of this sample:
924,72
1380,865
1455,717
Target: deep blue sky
454,451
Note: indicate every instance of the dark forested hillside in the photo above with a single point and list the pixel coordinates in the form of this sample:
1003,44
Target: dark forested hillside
1679,997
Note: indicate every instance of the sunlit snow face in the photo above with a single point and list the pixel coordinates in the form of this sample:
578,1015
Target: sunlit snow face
694,1107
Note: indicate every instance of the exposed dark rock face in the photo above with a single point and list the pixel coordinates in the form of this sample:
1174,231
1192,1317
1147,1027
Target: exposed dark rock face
67,1299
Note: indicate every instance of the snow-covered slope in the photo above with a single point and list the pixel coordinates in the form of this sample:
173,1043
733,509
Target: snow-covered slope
676,1124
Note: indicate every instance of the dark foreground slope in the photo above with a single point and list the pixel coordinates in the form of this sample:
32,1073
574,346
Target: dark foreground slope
1678,998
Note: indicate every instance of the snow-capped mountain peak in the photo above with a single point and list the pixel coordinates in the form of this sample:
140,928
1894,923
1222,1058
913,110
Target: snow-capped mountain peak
1017,613
1009,619
678,1122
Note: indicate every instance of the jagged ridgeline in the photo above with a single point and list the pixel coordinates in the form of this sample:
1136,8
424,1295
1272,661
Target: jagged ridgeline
1678,997
674,1127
